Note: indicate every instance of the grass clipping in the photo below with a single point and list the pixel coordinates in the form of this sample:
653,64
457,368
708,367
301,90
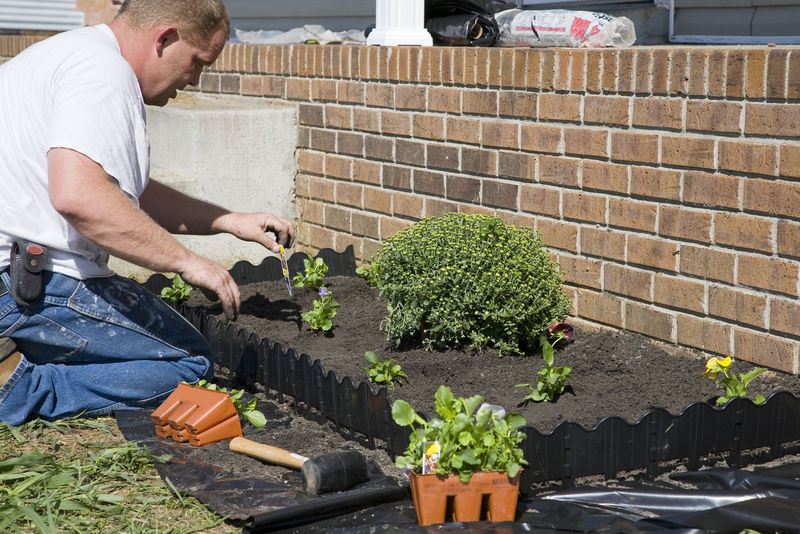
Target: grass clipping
81,475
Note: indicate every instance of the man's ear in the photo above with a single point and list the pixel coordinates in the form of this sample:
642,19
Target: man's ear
165,36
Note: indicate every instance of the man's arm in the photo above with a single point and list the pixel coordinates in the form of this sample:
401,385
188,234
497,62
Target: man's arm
82,192
182,214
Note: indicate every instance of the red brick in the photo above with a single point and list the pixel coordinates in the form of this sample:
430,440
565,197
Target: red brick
479,161
396,123
379,147
580,272
593,71
644,62
655,183
500,194
679,293
744,231
537,137
516,165
443,157
661,113
632,214
652,252
428,126
678,74
599,307
390,226
737,306
774,120
754,75
444,99
338,167
772,197
561,74
379,95
626,146
411,97
783,316
558,170
708,189
788,238
660,71
558,234
734,74
500,134
366,120
311,162
480,102
540,200
338,117
610,68
534,70
408,205
713,116
606,110
312,212
605,176
396,177
366,171
604,243
793,78
762,349
349,194
716,73
649,321
464,130
776,73
684,151
768,273
377,200
584,206
742,156
698,64
547,69
518,104
790,160
625,75
435,207
585,141
684,223
704,334
337,218
463,188
707,263
559,107
629,282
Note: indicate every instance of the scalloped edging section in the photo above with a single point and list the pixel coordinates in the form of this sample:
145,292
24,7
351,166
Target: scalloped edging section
567,452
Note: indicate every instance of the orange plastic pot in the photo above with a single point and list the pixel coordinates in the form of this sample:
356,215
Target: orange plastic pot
488,494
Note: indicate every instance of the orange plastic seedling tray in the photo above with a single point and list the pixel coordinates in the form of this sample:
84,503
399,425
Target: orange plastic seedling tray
197,415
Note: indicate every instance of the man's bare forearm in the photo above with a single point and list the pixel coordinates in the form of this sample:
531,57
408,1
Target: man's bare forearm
180,213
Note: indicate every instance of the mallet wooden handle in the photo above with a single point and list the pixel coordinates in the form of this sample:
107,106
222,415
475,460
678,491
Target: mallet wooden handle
268,453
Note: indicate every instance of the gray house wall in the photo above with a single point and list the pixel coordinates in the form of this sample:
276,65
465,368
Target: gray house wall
284,15
50,15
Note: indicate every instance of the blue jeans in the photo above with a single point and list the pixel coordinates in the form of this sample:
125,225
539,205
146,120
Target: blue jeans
95,346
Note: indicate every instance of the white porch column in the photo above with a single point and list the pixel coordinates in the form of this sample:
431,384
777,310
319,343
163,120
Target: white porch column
400,22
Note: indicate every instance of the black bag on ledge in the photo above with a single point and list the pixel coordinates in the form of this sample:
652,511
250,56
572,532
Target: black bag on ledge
464,22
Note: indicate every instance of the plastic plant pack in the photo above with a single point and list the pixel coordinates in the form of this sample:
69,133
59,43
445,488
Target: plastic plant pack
564,28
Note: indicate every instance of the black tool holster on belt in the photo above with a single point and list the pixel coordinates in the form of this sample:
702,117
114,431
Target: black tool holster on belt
27,263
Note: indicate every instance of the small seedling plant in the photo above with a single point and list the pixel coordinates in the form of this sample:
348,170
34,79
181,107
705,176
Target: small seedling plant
732,385
325,307
248,411
472,436
178,292
314,271
551,380
385,372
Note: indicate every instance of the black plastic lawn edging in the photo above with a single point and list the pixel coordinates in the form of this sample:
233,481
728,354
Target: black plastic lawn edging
567,452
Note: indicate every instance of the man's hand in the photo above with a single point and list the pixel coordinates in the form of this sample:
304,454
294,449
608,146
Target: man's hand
211,276
257,227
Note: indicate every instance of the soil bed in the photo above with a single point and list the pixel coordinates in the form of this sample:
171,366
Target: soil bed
614,373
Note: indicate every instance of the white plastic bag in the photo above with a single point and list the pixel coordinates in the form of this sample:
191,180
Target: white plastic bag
561,27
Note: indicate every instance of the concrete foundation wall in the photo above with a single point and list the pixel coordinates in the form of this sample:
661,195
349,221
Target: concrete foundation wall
233,151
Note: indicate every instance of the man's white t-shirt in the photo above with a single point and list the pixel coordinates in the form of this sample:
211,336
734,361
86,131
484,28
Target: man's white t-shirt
75,91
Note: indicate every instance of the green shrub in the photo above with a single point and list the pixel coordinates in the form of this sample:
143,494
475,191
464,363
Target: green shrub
468,280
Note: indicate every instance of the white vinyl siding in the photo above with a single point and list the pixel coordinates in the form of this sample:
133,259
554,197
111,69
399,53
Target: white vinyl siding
51,15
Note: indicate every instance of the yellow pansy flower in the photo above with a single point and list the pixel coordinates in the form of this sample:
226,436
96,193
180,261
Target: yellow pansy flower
715,365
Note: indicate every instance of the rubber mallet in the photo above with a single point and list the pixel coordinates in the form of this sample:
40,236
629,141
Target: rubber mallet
332,471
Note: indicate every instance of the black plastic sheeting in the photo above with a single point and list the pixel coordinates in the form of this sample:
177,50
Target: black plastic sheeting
722,500
464,22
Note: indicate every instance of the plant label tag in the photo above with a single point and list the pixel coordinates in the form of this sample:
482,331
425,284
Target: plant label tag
285,269
430,456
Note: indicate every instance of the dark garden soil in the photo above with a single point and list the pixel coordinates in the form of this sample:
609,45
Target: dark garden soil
614,373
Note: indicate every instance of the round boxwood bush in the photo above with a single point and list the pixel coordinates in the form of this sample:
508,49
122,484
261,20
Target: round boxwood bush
468,280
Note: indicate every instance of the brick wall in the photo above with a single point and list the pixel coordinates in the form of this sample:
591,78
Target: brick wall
665,181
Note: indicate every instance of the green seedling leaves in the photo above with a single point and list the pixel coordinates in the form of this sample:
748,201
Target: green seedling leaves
178,292
385,372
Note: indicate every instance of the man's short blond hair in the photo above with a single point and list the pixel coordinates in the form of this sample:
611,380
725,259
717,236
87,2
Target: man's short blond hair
196,20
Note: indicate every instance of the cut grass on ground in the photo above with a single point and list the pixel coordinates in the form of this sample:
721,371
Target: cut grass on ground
81,475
